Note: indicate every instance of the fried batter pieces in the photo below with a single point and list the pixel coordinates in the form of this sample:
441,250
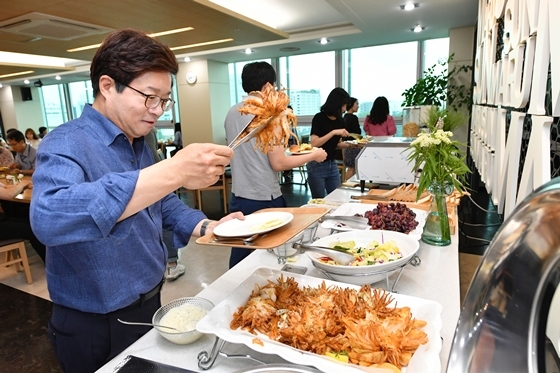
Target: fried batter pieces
263,105
360,323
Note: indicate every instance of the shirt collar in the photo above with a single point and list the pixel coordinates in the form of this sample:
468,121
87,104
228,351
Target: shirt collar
107,131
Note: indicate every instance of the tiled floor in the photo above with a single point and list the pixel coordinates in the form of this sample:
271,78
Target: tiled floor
204,264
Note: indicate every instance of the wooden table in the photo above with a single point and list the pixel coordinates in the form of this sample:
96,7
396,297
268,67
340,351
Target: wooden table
25,196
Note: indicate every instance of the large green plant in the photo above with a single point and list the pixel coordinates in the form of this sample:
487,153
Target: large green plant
440,88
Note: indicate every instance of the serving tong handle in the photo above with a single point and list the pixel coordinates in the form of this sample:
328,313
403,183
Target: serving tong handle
239,140
339,255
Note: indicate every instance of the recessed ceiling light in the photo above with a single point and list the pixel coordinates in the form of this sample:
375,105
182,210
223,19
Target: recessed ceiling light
57,77
418,28
248,51
0,85
26,81
409,6
324,41
187,59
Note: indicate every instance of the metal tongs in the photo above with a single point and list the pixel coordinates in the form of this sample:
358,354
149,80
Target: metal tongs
239,139
354,220
338,255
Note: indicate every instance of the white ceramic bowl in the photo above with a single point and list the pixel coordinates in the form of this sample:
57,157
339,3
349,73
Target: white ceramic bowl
360,275
186,337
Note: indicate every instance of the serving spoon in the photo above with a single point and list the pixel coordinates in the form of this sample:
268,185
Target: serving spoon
148,324
339,255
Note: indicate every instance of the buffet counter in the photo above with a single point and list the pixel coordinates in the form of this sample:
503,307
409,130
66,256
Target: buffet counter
436,278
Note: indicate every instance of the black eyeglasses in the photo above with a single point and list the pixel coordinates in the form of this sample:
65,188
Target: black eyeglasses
153,101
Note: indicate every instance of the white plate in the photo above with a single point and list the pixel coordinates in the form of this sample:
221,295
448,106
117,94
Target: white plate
250,226
288,153
350,209
361,275
425,359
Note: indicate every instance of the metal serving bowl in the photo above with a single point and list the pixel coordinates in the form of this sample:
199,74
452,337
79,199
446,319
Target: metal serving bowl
186,337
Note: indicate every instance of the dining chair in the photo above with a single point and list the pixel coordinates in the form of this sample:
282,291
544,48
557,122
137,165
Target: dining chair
220,185
340,164
16,254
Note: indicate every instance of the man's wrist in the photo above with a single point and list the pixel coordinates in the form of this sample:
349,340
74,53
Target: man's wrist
204,227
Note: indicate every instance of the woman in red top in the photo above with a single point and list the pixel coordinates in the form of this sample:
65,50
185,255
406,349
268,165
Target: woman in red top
379,122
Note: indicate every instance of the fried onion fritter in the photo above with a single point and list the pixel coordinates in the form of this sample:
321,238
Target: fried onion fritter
362,323
263,105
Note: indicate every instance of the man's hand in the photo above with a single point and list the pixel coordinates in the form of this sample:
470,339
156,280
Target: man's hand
200,165
340,132
234,215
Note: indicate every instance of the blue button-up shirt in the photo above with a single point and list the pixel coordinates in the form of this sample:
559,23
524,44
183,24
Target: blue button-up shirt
86,174
27,159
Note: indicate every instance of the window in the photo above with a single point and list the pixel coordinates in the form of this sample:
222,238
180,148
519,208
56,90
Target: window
235,87
55,109
81,93
435,50
309,79
385,70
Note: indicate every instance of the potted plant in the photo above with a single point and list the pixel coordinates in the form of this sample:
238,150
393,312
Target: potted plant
439,89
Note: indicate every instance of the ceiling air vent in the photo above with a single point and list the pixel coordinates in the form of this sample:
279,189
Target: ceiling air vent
38,25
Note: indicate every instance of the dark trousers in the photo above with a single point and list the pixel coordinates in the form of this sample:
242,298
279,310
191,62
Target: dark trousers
249,206
83,342
12,227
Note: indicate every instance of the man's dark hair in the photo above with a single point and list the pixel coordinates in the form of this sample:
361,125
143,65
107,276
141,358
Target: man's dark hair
42,129
335,100
126,54
256,74
15,135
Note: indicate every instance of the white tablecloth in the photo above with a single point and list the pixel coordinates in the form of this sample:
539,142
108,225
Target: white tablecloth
437,278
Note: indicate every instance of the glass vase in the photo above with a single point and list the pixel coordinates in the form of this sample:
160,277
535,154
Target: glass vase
436,230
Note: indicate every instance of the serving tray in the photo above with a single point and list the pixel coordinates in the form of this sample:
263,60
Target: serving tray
303,218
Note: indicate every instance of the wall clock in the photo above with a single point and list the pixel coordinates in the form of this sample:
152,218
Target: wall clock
191,77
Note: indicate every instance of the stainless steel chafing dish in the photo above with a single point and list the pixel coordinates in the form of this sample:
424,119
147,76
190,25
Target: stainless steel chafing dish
510,321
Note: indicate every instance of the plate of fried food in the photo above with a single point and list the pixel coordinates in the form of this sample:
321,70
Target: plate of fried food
332,326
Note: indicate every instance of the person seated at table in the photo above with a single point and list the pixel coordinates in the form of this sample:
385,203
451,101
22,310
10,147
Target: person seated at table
14,227
379,122
99,203
6,157
327,132
352,125
24,162
255,174
42,132
32,138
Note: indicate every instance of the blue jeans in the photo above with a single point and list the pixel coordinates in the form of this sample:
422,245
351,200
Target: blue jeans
249,206
322,177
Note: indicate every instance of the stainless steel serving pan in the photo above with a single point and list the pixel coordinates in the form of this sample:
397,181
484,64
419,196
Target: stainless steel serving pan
510,321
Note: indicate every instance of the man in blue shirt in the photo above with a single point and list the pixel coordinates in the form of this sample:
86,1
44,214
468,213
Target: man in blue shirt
99,203
24,162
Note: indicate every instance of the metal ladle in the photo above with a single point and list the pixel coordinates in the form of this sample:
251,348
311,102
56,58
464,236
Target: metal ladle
338,255
149,324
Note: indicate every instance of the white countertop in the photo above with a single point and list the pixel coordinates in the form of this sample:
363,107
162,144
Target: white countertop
437,279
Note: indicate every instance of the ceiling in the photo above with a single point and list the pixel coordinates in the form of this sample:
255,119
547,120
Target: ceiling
300,25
